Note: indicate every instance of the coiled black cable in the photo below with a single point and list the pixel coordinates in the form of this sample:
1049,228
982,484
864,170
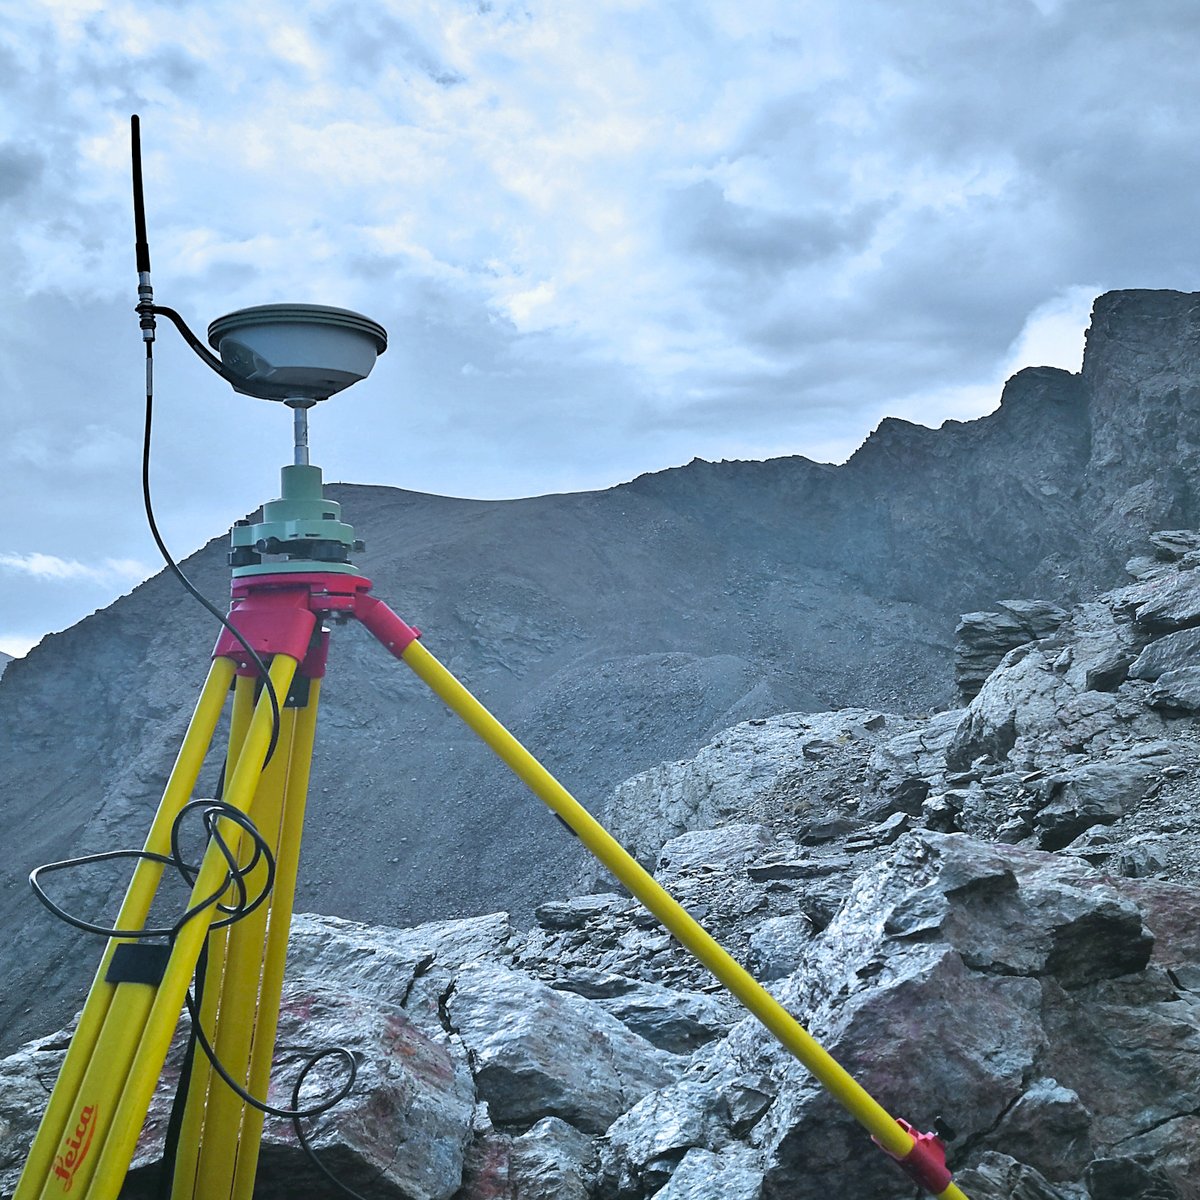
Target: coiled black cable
212,813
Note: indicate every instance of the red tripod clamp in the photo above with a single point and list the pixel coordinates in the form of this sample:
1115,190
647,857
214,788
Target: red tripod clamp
925,1163
277,614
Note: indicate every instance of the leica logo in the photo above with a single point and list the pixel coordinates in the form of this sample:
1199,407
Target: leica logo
76,1148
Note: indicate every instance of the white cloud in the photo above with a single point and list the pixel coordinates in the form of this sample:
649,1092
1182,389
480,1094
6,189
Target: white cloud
1053,334
50,567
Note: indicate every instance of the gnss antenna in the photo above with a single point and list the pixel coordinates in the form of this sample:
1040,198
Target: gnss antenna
299,355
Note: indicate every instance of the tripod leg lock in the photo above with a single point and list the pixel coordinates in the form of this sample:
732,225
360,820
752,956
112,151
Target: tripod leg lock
925,1163
393,634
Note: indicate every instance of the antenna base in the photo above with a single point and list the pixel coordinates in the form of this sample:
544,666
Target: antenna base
299,531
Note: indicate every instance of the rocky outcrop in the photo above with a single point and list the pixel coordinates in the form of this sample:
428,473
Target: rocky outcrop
1037,969
989,914
982,639
1048,1012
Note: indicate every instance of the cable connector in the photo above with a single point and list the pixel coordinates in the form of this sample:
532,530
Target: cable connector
145,306
925,1163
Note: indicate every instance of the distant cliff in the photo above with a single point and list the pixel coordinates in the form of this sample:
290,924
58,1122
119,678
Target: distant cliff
612,630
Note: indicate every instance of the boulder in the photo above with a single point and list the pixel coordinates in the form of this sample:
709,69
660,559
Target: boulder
1095,793
1177,690
1172,545
784,771
732,1174
401,1134
1000,1177
982,639
538,1052
1166,604
672,1019
551,1161
1175,650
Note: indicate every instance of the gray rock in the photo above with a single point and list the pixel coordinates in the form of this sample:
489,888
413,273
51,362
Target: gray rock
672,1019
1023,697
1177,690
1056,918
777,946
1171,545
786,770
26,1079
487,1165
642,1148
537,1052
998,1177
413,967
909,760
1097,793
1098,648
1142,856
1167,604
997,957
1052,1117
1181,649
982,639
1127,1179
578,911
552,1161
732,1174
730,847
402,1132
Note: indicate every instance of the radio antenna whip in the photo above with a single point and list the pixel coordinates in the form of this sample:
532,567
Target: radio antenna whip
145,306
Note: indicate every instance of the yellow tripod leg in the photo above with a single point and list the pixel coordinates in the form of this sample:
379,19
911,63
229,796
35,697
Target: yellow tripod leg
237,1004
282,901
64,1114
102,1175
188,1147
736,979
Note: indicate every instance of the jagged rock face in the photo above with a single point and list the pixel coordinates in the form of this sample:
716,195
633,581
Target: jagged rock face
613,631
1037,970
1140,373
1051,1013
982,639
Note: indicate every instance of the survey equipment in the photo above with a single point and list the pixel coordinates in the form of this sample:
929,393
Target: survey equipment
292,574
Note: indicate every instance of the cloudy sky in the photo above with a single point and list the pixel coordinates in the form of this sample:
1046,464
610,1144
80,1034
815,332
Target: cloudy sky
605,236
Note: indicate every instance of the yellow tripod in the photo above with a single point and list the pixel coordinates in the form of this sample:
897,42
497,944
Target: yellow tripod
291,572
90,1129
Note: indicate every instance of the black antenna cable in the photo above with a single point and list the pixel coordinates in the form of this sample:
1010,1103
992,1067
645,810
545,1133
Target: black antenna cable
146,310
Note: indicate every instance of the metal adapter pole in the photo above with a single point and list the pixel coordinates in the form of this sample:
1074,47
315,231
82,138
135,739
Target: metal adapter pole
300,426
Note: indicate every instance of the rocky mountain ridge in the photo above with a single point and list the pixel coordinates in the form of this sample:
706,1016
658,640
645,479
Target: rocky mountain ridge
613,631
990,915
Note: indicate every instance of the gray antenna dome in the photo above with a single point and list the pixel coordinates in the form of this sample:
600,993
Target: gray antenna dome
296,351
